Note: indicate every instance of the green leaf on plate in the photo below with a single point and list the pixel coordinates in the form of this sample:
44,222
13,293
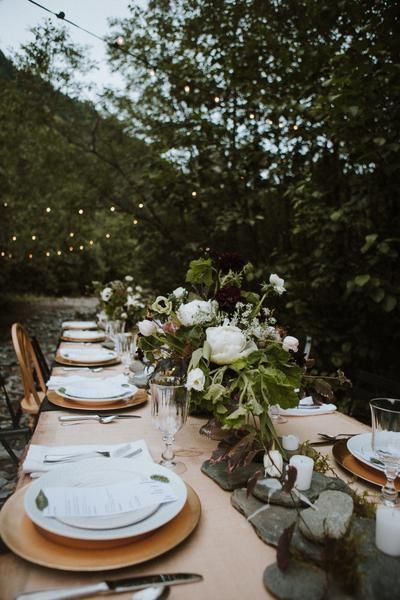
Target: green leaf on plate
161,478
41,500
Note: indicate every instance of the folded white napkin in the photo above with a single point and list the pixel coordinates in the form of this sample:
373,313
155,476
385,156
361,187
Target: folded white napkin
34,461
57,381
321,409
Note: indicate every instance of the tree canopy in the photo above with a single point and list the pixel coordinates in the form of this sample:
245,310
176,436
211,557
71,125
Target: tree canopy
267,127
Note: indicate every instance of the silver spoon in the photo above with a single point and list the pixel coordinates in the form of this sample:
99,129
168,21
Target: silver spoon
101,419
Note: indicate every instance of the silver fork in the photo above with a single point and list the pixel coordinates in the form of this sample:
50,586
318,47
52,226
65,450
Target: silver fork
119,453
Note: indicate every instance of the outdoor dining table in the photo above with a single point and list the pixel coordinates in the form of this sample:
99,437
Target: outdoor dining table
223,548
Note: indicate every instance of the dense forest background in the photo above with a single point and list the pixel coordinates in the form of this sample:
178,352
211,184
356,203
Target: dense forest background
270,128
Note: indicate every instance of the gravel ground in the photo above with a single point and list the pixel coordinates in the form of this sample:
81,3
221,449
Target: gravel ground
42,318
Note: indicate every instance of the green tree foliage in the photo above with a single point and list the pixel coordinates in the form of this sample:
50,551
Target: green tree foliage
266,126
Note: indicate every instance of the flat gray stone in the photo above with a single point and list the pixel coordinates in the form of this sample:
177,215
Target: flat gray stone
218,472
300,581
332,518
320,483
270,523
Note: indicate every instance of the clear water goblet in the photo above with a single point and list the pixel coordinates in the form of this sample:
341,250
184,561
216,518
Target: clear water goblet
385,414
169,410
126,348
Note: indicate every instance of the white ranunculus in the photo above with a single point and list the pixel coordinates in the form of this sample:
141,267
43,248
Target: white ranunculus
290,343
228,344
162,305
106,294
277,283
129,289
196,312
179,292
128,278
147,327
196,380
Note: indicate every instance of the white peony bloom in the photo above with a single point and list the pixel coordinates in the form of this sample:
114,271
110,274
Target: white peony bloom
290,343
147,327
106,294
228,344
162,305
179,292
196,380
277,283
129,289
196,312
128,278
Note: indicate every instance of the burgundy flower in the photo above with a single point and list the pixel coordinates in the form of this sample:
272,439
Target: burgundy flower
227,298
230,261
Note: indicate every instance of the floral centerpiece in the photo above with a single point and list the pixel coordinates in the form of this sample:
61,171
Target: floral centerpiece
239,361
121,300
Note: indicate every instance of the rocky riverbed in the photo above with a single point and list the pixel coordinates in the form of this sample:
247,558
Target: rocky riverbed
42,317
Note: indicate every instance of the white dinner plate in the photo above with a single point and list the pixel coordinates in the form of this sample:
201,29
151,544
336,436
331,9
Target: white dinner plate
96,390
105,467
95,479
88,355
360,446
82,334
79,325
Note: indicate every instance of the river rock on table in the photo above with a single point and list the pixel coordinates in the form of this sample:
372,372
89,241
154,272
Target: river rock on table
269,523
319,484
332,518
229,481
300,581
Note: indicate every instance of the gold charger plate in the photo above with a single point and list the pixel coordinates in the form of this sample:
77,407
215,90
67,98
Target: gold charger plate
95,340
72,363
343,456
24,539
139,398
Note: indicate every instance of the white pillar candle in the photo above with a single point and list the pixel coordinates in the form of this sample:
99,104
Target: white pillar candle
304,466
290,442
387,537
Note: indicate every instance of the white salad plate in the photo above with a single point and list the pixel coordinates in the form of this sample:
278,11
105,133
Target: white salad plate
82,334
79,325
96,390
103,471
88,355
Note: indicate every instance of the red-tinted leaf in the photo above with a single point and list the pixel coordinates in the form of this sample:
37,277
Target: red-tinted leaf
251,483
290,479
323,388
283,549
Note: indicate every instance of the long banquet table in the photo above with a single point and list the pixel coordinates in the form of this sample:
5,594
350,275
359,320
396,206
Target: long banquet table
224,547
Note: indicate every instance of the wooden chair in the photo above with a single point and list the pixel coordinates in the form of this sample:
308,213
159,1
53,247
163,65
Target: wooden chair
30,370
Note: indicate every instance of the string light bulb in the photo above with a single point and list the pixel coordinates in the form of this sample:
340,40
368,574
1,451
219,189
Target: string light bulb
5,204
71,248
140,205
194,194
59,252
112,208
34,237
47,253
120,41
14,238
217,99
252,116
295,127
108,236
81,247
135,221
30,256
71,234
3,253
91,242
80,211
187,88
48,209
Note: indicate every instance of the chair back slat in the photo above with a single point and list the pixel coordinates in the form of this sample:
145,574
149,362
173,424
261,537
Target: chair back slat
29,367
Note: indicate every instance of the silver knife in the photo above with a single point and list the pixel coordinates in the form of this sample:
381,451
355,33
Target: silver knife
111,587
97,417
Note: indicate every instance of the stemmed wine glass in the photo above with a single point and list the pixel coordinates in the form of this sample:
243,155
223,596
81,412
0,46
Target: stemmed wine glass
169,410
385,413
126,348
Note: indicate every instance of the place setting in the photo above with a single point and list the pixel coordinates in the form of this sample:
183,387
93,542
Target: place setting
77,510
90,393
79,325
86,356
83,335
